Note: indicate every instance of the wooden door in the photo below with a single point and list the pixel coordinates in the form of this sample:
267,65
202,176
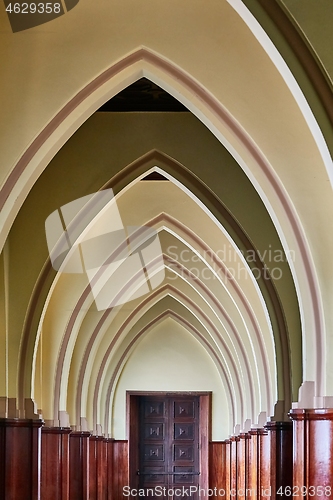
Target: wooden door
169,446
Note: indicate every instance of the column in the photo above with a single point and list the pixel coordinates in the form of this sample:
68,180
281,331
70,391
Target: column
109,472
242,464
312,452
247,463
281,453
264,483
252,473
79,465
227,468
120,468
55,463
93,468
20,458
217,466
101,451
233,469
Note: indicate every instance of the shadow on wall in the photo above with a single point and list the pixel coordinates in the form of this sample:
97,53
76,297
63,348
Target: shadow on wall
26,15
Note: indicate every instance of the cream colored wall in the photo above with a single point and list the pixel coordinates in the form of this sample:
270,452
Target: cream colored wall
168,358
43,68
104,145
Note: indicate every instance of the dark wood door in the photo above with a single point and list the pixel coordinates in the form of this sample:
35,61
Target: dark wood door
169,446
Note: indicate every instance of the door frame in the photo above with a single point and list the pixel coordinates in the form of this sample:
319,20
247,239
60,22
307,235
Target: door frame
132,430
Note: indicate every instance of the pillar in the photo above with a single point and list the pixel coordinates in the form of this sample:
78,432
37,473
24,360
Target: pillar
109,468
264,483
233,469
55,463
242,464
281,453
217,467
312,452
79,465
120,468
101,451
227,467
252,473
259,464
20,459
93,468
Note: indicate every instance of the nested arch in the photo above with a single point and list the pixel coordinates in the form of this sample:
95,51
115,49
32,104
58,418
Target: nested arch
213,203
144,62
111,388
75,320
216,302
60,373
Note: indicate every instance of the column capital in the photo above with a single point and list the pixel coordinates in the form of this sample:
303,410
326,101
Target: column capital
260,431
79,434
56,430
21,422
311,414
278,426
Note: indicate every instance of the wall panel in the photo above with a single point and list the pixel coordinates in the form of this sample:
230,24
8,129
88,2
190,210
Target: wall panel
20,459
55,463
79,465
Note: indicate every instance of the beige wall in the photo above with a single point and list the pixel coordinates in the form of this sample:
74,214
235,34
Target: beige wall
168,358
275,180
103,146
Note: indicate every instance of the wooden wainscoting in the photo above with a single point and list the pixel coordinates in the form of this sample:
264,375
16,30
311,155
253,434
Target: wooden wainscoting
120,476
55,463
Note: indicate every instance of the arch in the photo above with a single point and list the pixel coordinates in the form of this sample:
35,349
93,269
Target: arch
172,168
210,112
165,219
305,56
117,372
228,367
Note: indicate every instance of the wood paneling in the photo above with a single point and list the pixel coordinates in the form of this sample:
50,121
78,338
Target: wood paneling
102,466
97,468
264,483
109,468
79,465
233,467
20,459
241,465
281,457
120,476
312,452
93,475
252,473
247,463
55,463
217,466
227,467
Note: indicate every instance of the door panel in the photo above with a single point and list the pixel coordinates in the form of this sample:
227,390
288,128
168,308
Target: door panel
169,445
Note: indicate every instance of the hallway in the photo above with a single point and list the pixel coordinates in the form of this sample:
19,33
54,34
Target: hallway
165,268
